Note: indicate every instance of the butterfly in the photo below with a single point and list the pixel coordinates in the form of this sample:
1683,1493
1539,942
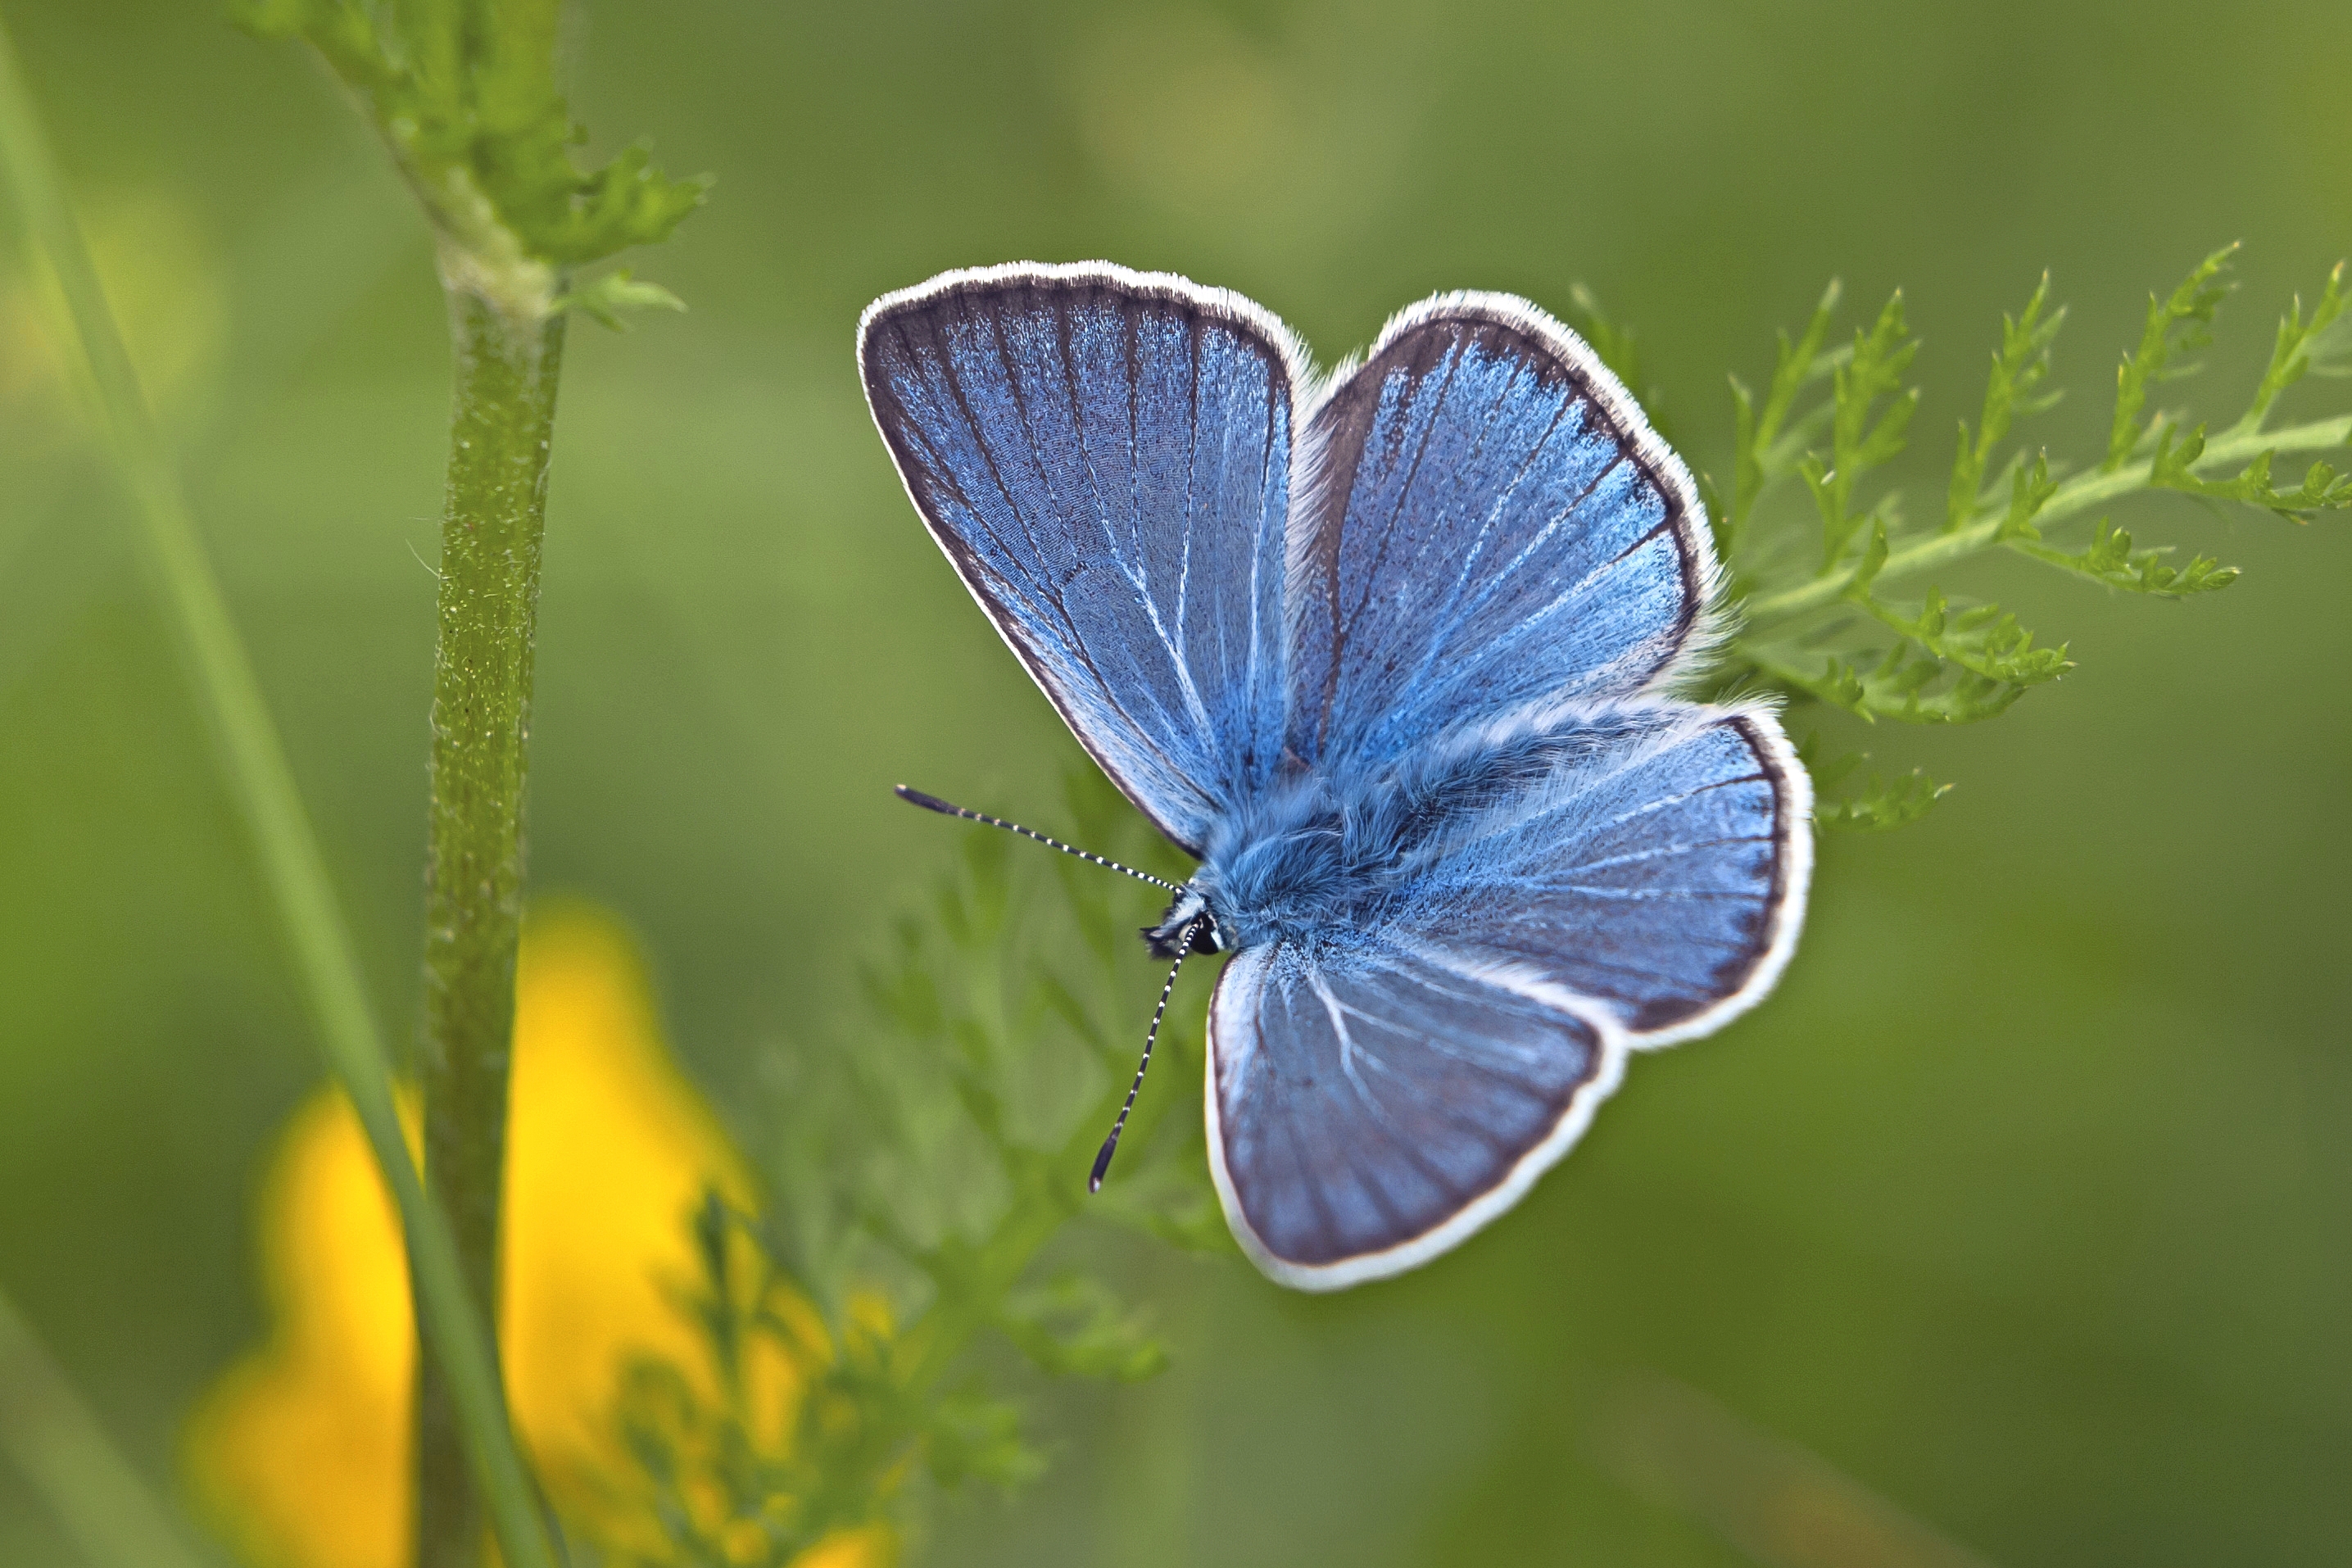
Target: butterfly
1392,654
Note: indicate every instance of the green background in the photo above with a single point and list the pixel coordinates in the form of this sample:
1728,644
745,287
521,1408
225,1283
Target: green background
2024,1204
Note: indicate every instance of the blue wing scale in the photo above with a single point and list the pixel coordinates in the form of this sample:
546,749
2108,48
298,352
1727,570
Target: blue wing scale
1365,1097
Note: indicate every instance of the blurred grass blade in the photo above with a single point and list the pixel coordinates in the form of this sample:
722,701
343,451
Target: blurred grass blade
1772,1502
57,1444
262,787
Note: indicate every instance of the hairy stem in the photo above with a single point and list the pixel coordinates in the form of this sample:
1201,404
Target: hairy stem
2077,495
504,413
254,769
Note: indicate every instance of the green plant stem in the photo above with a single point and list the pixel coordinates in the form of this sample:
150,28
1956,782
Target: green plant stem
261,786
111,1514
2077,495
1046,1196
501,427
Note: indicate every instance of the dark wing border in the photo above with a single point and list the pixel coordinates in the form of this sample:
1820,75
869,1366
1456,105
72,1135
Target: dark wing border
1792,877
1217,304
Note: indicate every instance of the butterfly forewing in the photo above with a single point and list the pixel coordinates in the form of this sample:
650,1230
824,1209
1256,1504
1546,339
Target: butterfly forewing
1495,526
1105,455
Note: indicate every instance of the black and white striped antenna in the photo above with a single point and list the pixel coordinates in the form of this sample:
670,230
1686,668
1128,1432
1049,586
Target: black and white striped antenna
947,808
1183,950
1110,1144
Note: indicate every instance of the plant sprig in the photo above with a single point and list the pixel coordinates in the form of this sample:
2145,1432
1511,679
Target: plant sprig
962,1156
468,105
1817,625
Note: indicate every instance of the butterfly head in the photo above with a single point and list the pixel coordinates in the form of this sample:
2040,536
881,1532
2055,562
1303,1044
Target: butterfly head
1188,926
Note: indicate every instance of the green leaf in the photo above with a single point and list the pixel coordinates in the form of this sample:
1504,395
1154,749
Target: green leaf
1876,805
611,295
2020,367
971,1436
1905,683
1862,437
1983,640
1766,453
2180,324
472,115
1073,1327
2320,345
2110,560
2174,464
2029,489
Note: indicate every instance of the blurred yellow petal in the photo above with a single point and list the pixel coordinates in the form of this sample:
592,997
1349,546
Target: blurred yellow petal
873,1546
609,1151
300,1452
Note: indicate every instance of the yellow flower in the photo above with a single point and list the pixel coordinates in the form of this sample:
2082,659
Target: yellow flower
301,1451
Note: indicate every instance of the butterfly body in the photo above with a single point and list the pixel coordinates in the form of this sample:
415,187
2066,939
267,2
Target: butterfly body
1395,656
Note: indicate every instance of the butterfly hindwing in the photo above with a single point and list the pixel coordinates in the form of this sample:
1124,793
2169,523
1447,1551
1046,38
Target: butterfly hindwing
1105,455
1371,1101
1657,867
1630,875
1494,524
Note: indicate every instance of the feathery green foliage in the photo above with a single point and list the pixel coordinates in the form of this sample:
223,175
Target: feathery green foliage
1877,802
463,93
1814,623
932,1168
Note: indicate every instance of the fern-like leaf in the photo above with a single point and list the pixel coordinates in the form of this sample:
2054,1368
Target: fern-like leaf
2013,392
2321,346
2181,323
1983,639
1767,450
1905,683
2174,467
2112,561
1876,805
1862,436
1073,1326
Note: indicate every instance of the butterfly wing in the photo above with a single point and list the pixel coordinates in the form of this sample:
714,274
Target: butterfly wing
1104,456
1656,865
1495,525
1372,1102
1376,1095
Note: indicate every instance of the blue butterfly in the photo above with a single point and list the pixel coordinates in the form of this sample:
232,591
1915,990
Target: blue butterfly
1392,654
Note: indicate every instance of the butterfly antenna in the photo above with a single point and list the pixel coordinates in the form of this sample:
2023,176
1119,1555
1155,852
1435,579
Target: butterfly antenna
933,803
1110,1144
